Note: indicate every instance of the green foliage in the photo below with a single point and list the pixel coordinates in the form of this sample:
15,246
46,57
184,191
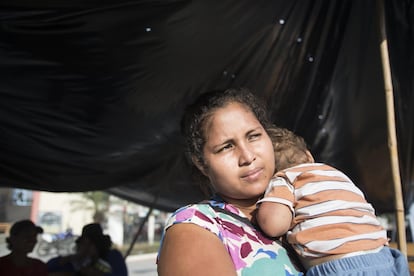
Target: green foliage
96,201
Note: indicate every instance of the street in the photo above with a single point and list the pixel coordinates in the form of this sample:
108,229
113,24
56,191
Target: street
142,265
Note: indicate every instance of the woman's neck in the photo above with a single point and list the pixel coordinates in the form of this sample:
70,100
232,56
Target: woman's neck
246,206
247,211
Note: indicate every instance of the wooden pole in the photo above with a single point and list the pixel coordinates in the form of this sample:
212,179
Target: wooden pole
392,136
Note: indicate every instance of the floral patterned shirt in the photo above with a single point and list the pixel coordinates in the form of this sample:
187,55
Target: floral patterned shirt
252,252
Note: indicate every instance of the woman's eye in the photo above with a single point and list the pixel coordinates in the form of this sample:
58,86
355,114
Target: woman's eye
254,136
225,147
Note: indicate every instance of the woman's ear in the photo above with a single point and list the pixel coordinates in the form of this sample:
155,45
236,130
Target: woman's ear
199,165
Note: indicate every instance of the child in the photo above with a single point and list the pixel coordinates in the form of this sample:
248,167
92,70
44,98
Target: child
326,217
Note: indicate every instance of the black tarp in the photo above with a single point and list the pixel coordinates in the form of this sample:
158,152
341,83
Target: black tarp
91,92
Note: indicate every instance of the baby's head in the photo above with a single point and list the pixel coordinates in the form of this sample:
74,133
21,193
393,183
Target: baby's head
290,149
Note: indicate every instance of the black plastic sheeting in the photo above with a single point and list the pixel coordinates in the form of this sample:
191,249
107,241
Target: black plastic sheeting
91,93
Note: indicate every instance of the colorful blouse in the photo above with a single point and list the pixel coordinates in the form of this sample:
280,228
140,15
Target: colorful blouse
252,252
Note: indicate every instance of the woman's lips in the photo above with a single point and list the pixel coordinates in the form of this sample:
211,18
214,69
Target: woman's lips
252,175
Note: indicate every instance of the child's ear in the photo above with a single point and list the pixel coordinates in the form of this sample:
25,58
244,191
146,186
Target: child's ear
199,165
311,159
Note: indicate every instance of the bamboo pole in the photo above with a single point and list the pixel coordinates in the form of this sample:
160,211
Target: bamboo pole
392,136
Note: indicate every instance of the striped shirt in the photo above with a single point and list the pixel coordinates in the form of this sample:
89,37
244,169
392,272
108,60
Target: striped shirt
331,214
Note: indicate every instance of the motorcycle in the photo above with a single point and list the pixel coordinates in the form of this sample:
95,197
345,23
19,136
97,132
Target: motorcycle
61,243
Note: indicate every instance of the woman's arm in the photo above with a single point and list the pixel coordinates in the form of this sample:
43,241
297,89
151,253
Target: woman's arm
189,249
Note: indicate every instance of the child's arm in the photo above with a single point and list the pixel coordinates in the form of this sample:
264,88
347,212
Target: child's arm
274,218
275,210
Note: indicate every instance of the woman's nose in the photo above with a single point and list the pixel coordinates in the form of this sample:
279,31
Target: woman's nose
246,156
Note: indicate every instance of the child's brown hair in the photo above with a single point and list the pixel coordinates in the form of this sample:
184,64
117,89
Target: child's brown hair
290,149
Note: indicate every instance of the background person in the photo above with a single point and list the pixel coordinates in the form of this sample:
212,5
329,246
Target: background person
94,256
226,138
21,241
332,227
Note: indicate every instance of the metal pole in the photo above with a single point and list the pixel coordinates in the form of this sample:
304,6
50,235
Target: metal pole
141,226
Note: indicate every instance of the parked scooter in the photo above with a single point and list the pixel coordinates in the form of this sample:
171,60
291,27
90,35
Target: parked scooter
61,243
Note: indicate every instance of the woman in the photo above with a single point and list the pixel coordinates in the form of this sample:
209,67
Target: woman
227,141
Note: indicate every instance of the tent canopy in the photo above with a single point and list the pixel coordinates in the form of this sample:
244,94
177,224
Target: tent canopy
91,94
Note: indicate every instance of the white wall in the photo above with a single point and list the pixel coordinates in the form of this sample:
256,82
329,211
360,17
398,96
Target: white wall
60,204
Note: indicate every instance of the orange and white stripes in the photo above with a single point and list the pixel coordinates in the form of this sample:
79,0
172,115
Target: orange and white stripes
331,214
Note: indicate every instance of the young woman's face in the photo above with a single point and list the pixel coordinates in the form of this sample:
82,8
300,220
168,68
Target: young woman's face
238,154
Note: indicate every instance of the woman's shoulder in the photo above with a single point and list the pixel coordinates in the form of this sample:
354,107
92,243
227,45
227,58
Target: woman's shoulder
59,263
117,262
208,207
213,215
206,214
115,254
199,213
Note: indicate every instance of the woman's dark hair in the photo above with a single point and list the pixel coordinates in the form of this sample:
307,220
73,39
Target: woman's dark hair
94,233
197,114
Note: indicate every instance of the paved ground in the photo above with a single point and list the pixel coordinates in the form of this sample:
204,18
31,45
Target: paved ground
142,265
